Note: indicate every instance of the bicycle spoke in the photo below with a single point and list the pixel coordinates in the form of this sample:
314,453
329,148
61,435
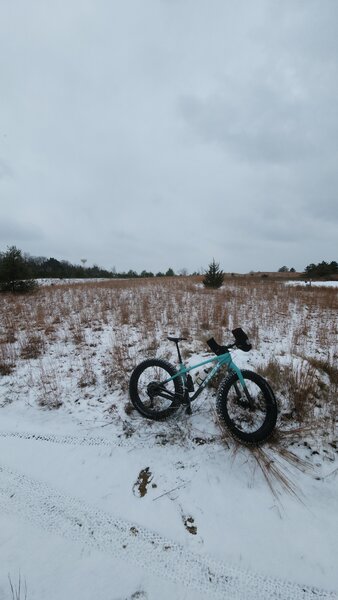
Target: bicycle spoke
154,394
247,418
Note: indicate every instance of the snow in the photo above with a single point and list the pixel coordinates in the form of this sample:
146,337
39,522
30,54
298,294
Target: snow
311,283
75,525
68,280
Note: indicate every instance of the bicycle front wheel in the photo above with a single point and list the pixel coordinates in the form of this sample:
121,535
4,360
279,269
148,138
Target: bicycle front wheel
149,393
250,421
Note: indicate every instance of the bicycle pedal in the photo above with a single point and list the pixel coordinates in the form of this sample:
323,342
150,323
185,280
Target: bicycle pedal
188,410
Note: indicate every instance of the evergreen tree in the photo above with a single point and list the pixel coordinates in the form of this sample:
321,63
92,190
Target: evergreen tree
15,274
214,276
322,269
145,273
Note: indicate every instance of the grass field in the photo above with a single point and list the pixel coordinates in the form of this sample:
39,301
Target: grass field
70,438
69,342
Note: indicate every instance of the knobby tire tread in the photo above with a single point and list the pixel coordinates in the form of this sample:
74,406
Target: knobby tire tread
266,430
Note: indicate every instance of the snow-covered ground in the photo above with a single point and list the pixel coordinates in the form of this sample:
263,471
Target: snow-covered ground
97,502
67,280
314,283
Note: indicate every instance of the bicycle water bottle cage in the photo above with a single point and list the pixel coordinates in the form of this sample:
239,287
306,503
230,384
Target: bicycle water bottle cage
241,339
216,348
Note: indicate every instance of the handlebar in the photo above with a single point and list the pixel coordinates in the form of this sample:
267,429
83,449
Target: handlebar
241,341
216,348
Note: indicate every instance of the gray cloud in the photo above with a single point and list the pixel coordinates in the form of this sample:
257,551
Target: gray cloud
15,232
255,124
5,169
278,116
163,135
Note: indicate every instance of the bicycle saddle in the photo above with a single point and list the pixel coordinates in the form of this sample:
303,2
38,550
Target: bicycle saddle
176,339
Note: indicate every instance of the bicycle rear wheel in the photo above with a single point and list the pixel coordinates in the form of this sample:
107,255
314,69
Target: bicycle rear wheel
149,394
252,424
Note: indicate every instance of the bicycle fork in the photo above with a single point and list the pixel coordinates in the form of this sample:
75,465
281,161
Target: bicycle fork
232,367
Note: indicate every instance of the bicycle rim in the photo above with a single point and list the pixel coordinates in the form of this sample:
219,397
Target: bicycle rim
154,395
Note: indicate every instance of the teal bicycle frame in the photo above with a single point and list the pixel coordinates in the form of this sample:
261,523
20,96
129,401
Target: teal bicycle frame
221,360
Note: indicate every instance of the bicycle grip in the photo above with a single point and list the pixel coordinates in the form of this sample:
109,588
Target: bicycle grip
216,348
241,339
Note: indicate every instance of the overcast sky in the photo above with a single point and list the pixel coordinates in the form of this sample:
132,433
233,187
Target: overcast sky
147,134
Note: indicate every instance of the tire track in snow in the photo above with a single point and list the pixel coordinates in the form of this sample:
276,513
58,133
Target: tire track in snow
66,439
120,441
71,518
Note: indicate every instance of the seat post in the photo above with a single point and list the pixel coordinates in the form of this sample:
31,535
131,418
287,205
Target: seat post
179,354
176,340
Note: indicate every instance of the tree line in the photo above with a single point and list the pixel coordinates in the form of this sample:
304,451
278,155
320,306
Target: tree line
18,271
322,269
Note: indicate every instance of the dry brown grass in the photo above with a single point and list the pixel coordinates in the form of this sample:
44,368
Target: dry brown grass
304,396
7,358
49,387
88,375
144,304
32,346
125,321
326,366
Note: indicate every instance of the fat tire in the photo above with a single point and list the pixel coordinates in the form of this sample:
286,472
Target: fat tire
265,430
156,415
